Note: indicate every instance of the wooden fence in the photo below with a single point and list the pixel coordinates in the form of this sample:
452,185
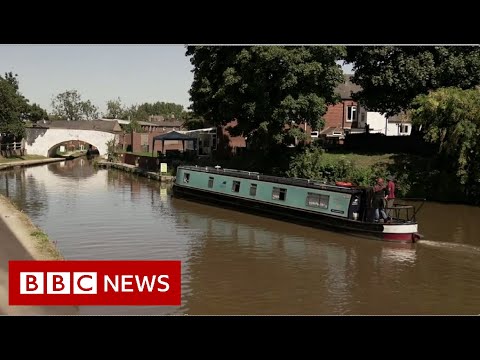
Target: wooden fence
12,149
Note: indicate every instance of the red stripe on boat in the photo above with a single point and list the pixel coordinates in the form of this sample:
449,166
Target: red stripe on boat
408,237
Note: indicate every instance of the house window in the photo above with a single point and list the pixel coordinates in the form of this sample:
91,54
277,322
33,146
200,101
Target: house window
317,200
403,129
236,186
279,194
253,189
351,113
186,177
210,182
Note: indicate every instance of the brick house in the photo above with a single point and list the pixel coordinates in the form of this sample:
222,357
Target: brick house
142,141
229,144
349,116
218,140
343,115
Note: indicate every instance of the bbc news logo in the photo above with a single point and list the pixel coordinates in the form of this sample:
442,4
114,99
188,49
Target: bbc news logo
81,282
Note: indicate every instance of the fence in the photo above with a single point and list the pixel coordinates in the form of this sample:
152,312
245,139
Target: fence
12,149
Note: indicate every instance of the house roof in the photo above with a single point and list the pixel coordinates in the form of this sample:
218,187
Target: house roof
100,125
399,118
173,135
166,123
346,89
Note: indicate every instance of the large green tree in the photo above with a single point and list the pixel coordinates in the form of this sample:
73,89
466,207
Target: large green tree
36,113
15,108
12,105
70,106
451,119
264,88
392,76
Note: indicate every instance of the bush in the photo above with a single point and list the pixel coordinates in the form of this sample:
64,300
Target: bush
312,164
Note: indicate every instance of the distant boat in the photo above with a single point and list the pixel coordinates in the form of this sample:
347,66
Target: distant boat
92,151
341,207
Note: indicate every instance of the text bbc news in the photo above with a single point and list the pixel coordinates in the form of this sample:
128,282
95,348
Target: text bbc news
95,282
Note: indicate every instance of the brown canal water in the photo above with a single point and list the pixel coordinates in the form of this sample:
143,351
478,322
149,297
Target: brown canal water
237,263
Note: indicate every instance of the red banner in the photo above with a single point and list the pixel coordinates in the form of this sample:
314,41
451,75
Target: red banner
80,282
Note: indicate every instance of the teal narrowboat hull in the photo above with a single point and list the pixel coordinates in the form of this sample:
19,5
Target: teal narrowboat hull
298,200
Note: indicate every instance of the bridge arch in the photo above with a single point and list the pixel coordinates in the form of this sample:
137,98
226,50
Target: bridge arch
42,141
52,151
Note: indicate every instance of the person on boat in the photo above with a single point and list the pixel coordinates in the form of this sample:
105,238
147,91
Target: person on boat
390,193
379,198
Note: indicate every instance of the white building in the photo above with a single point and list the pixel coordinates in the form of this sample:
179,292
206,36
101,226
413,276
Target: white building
398,125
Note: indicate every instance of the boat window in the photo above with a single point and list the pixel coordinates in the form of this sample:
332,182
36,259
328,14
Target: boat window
236,186
318,200
210,182
186,177
253,189
279,193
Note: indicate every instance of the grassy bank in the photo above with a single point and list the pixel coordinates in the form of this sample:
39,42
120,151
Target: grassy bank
46,246
4,160
362,160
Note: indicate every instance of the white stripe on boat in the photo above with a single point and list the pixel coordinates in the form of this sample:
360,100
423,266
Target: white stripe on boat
400,229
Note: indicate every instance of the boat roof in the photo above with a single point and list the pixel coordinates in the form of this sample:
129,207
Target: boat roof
274,179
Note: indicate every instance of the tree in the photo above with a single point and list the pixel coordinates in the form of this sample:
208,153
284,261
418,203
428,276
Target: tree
133,126
392,76
193,122
90,111
264,88
69,105
137,113
450,118
35,113
168,110
115,109
12,79
13,107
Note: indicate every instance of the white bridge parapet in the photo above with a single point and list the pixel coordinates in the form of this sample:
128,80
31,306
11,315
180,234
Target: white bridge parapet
41,143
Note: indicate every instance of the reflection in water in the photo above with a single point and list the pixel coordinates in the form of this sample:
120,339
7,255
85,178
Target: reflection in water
236,263
25,191
279,268
76,170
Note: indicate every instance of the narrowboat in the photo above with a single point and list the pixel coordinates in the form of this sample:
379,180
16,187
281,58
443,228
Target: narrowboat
341,207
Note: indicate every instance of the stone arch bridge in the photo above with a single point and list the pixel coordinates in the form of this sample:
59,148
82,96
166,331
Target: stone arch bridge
45,138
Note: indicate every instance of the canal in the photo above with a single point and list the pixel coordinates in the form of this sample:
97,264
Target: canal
236,263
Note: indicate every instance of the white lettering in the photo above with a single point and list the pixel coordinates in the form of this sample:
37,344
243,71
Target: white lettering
166,284
113,285
125,283
145,281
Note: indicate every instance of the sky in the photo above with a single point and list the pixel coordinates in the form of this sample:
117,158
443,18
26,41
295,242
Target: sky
134,73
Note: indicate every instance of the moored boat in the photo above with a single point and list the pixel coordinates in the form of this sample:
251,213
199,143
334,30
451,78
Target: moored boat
342,207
